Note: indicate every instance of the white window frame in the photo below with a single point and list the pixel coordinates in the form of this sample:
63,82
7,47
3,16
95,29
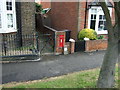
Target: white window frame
99,12
4,13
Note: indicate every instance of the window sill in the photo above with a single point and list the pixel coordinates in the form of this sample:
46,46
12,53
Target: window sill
102,32
8,30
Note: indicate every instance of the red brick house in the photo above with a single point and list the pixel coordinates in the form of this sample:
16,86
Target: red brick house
75,16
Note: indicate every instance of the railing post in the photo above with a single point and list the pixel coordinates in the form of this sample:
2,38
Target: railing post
19,40
4,45
37,45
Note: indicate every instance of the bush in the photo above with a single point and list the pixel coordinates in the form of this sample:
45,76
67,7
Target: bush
88,33
38,7
100,37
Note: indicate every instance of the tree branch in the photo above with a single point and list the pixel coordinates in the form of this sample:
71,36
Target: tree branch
117,8
108,20
117,18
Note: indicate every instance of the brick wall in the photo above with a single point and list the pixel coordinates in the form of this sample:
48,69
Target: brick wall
27,17
93,45
81,17
46,4
64,15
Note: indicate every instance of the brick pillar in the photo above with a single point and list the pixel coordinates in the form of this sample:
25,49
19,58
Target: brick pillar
72,45
67,48
28,17
59,42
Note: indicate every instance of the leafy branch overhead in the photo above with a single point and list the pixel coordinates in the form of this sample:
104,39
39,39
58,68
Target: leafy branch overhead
38,7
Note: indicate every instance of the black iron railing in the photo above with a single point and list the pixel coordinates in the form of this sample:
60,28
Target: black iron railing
12,44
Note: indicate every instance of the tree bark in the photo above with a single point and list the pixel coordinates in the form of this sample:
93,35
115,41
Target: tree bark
107,72
106,77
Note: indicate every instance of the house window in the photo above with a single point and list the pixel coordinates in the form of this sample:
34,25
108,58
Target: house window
97,20
102,23
7,16
93,21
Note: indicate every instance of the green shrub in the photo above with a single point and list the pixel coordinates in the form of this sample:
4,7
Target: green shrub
38,7
100,37
88,33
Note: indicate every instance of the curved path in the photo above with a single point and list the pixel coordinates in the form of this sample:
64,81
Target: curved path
50,66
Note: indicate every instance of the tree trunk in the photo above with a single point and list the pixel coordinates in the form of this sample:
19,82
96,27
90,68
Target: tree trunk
107,72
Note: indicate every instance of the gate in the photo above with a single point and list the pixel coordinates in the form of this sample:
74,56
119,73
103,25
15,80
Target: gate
46,44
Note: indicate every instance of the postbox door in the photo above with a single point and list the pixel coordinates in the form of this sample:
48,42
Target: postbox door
61,40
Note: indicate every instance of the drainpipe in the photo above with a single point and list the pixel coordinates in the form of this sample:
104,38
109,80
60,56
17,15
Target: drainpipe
78,26
19,24
85,14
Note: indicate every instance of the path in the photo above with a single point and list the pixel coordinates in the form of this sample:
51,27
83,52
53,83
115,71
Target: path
51,66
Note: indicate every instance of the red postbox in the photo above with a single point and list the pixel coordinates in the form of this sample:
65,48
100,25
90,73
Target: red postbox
61,40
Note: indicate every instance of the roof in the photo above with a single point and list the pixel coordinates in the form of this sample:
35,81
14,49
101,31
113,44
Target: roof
96,3
46,10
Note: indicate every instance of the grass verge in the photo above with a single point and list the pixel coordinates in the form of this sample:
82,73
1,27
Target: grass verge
82,79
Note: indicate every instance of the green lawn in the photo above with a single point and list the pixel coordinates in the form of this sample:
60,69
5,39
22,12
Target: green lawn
83,79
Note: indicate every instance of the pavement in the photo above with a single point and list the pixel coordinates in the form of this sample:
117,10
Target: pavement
50,66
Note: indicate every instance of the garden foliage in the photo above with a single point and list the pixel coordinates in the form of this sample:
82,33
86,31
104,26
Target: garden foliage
87,33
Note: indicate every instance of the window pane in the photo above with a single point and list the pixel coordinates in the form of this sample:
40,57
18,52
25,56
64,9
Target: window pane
101,26
93,10
0,22
91,16
10,3
104,17
100,17
10,8
105,28
92,25
9,20
100,10
94,16
7,3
